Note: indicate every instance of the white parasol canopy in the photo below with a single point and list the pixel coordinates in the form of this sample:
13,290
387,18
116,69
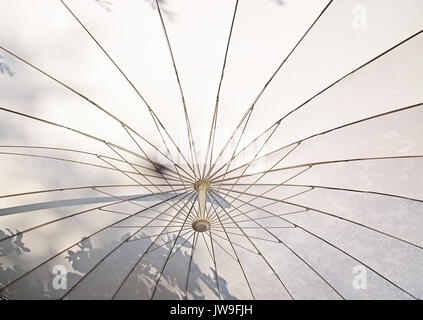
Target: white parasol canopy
220,149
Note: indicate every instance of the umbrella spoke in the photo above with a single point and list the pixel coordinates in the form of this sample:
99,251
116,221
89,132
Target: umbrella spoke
77,214
252,237
410,107
290,249
153,114
234,251
255,155
141,174
348,254
259,252
314,186
187,121
231,217
56,255
210,145
86,135
127,239
286,198
190,263
313,164
273,202
215,263
154,164
131,202
236,155
124,125
250,109
142,256
169,241
266,172
359,261
156,235
383,114
244,121
64,160
182,245
354,190
340,80
308,208
170,176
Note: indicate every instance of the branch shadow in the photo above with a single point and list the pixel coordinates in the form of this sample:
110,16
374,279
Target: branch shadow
85,256
5,68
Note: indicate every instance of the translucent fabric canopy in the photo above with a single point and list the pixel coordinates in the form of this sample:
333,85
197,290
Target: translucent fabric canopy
301,121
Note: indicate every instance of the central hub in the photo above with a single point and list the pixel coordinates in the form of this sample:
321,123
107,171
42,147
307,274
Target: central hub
202,184
202,187
201,225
